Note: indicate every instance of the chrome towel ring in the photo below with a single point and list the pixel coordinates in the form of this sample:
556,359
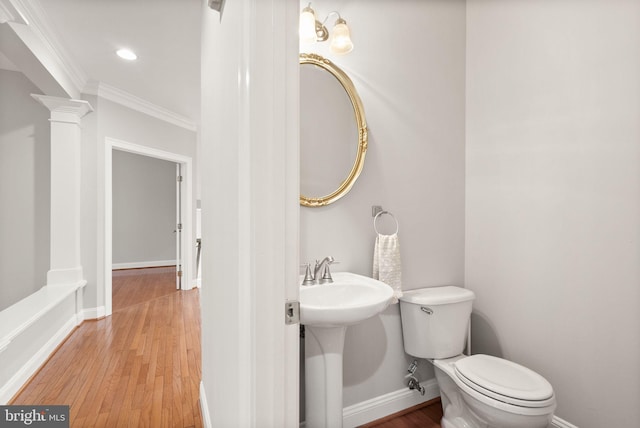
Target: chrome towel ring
375,219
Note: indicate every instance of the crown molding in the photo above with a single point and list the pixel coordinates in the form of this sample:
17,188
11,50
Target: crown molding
133,102
5,14
9,13
32,15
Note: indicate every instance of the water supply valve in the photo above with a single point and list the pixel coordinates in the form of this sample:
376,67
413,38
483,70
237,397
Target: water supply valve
413,381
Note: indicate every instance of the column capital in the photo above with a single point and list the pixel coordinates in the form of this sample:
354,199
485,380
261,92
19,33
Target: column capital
64,109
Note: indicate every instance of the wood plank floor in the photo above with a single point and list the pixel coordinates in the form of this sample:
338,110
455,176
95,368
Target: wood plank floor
139,367
426,415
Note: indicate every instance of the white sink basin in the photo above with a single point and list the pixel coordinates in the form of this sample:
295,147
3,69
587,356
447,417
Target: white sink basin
350,299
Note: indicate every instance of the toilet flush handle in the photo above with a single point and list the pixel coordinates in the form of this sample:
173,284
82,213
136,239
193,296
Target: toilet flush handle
426,310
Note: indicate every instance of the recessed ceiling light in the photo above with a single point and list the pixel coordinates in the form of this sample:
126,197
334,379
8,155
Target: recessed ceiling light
127,54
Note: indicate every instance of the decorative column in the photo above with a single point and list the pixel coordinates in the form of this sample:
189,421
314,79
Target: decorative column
66,116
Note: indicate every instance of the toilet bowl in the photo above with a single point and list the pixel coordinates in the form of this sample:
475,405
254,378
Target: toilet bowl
478,391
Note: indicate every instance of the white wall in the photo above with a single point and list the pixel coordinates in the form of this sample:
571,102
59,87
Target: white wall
408,67
121,123
144,209
24,189
553,197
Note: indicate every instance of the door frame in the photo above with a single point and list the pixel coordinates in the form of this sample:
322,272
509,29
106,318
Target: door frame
186,163
178,229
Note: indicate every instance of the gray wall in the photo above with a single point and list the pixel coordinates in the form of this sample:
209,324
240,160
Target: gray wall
553,197
144,209
24,189
412,86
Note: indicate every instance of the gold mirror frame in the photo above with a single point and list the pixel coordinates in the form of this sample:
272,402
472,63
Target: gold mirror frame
361,123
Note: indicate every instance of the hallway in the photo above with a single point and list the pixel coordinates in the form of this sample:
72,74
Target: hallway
140,367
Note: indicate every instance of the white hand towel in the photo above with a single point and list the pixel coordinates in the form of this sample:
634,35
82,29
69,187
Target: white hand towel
386,263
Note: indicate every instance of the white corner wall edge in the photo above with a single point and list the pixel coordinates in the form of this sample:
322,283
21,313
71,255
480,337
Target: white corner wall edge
204,408
387,404
16,382
138,265
556,422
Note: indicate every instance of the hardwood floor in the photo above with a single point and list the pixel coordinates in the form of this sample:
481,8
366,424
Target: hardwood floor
134,286
139,367
426,415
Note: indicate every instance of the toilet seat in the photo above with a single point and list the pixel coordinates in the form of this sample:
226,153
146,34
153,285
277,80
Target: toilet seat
504,381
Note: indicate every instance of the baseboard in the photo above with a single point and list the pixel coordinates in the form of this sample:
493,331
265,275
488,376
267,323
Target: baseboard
204,408
376,408
556,422
138,265
16,382
93,313
387,404
393,402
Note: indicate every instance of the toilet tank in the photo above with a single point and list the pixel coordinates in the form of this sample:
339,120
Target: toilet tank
435,321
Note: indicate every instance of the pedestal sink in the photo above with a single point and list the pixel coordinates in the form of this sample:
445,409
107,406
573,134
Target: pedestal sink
326,310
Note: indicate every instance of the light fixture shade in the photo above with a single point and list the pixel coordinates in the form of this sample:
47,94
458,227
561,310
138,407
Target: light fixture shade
341,38
307,25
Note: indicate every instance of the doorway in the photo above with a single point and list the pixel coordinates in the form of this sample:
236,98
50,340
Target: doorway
146,223
184,241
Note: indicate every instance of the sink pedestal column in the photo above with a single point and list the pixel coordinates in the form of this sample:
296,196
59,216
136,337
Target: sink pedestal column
323,376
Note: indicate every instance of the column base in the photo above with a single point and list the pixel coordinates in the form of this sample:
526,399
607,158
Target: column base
64,276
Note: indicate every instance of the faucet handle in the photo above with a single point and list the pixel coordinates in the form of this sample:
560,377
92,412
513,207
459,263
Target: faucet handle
308,276
327,275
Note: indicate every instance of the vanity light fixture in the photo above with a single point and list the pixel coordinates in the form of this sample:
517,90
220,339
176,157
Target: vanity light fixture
312,30
127,54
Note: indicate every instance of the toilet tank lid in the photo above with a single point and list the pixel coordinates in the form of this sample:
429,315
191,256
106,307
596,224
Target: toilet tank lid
437,295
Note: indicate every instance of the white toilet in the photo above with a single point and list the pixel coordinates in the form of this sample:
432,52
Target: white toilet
478,391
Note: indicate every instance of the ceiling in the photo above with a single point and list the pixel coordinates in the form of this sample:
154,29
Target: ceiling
165,34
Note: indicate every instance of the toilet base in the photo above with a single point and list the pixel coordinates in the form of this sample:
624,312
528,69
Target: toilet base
460,410
456,415
455,424
464,417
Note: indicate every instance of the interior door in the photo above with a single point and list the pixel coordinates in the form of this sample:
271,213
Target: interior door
178,226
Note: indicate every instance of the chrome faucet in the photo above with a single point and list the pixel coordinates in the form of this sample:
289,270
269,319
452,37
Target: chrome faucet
323,267
321,273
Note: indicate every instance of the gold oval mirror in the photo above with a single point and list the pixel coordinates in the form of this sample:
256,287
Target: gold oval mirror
333,132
